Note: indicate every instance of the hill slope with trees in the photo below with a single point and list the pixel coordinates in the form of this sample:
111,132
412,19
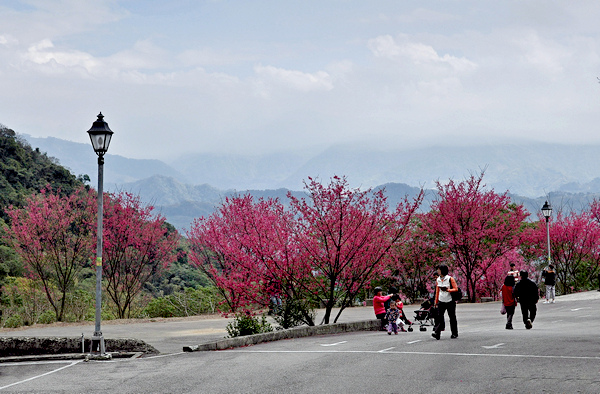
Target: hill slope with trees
24,170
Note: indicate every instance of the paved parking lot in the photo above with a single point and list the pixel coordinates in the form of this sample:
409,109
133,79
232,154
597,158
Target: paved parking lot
560,354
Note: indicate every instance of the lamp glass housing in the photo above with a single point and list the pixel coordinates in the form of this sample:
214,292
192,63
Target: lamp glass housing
100,135
547,210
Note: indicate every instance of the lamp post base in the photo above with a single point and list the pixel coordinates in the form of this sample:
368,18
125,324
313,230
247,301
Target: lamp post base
98,343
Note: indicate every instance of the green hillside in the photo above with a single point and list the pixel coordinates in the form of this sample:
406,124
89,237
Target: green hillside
24,171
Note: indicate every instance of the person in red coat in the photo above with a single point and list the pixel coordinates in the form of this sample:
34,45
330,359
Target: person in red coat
379,306
508,299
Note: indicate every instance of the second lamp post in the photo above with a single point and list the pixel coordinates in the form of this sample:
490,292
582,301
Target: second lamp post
547,212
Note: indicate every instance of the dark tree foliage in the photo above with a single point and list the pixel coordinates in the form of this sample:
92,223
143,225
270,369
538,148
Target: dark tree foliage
24,171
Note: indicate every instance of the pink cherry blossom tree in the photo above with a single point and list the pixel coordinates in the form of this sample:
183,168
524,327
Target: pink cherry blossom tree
345,235
574,240
247,248
137,246
474,227
53,236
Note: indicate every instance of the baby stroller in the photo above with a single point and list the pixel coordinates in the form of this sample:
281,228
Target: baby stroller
426,315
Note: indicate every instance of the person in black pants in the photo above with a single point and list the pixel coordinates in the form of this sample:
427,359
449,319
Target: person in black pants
445,284
549,276
526,292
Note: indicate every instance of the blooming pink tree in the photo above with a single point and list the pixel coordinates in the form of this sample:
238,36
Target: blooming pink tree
137,245
53,236
248,250
574,240
345,235
475,227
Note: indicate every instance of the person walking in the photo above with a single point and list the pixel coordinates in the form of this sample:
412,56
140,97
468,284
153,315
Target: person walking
379,306
445,284
549,276
526,293
508,299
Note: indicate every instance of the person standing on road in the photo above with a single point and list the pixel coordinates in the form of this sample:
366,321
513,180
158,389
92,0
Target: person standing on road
526,293
445,284
508,299
549,276
379,306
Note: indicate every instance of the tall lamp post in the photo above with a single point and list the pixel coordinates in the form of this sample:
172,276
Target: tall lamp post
547,212
100,134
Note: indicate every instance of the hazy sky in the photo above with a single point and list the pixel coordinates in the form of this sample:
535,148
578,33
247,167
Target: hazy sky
180,76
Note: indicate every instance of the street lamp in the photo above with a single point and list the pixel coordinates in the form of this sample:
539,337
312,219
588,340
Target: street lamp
547,212
100,134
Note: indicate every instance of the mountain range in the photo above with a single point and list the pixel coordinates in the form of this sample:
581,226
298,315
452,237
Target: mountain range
192,185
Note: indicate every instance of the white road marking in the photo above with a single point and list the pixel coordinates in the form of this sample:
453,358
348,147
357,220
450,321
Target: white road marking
597,358
44,374
411,342
578,309
385,350
333,344
497,346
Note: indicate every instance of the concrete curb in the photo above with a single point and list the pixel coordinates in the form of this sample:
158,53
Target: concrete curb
296,332
67,348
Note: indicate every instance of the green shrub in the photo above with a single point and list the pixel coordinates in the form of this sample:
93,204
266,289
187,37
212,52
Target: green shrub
246,324
190,302
160,307
47,317
13,321
294,313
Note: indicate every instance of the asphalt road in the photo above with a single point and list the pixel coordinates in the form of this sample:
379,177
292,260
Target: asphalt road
561,354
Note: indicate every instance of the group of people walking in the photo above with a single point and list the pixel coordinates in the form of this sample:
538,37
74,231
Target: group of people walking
525,292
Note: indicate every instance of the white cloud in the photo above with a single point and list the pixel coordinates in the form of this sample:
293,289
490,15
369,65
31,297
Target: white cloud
418,53
43,53
293,79
7,40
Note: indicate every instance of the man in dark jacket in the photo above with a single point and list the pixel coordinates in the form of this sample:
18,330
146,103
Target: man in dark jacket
526,292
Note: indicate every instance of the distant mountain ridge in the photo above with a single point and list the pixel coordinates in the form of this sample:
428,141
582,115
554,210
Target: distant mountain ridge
193,185
181,203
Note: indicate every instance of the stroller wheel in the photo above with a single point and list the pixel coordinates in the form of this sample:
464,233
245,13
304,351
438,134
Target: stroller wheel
422,328
410,329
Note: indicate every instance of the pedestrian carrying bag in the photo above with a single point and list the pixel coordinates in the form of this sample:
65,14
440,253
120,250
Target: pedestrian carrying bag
456,295
503,309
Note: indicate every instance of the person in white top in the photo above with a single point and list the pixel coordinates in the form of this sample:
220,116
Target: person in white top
445,284
514,272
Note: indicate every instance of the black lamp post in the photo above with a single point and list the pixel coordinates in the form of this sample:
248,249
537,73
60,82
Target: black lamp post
547,212
100,134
